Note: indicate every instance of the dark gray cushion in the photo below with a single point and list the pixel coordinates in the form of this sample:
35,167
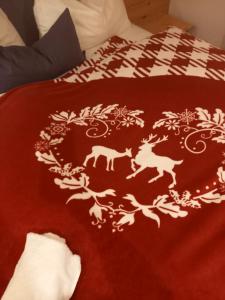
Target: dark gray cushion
20,13
55,53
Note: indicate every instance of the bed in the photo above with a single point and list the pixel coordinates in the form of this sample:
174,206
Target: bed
124,157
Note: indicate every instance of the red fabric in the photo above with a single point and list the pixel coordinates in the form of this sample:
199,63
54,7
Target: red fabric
174,250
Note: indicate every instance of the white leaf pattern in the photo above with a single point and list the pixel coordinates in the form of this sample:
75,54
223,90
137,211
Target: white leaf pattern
159,123
139,122
203,114
132,199
85,112
107,110
219,139
80,122
212,197
109,192
149,214
81,196
221,175
128,218
97,211
205,125
135,113
45,136
84,180
62,117
56,141
219,117
96,110
68,183
48,159
170,114
170,208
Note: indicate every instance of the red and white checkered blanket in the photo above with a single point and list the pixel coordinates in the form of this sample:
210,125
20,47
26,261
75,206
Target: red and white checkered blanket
172,52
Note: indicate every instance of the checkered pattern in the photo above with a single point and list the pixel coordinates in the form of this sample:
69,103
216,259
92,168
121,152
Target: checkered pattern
172,52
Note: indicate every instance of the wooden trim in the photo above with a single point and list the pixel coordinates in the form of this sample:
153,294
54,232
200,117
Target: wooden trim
139,10
162,23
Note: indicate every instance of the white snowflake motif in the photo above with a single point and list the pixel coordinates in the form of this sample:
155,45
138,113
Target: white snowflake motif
120,112
42,146
127,122
172,125
187,116
58,128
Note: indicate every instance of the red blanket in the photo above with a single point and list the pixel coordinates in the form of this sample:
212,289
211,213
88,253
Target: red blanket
131,172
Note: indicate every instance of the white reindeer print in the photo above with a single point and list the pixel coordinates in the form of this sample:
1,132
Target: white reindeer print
109,153
147,159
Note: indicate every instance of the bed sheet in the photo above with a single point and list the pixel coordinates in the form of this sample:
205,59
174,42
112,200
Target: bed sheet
134,33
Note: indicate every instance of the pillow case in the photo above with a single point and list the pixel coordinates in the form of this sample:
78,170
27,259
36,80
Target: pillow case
46,59
20,13
114,13
89,23
8,34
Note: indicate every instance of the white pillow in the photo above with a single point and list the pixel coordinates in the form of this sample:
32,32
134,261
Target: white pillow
8,34
89,23
114,13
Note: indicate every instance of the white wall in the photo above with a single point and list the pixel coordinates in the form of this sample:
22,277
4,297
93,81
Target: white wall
207,16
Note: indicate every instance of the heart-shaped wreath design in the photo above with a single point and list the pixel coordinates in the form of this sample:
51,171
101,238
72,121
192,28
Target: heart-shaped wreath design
100,121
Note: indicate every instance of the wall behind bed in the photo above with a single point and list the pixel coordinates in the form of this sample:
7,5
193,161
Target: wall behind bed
207,16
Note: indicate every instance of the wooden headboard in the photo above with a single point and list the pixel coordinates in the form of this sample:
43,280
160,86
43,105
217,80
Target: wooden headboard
141,9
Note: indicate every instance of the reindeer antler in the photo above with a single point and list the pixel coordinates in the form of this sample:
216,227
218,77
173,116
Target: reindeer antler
160,140
152,136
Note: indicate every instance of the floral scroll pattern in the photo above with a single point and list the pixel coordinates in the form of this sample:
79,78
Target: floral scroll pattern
99,122
172,204
199,126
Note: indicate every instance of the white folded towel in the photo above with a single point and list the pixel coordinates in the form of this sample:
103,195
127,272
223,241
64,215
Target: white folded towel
47,270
